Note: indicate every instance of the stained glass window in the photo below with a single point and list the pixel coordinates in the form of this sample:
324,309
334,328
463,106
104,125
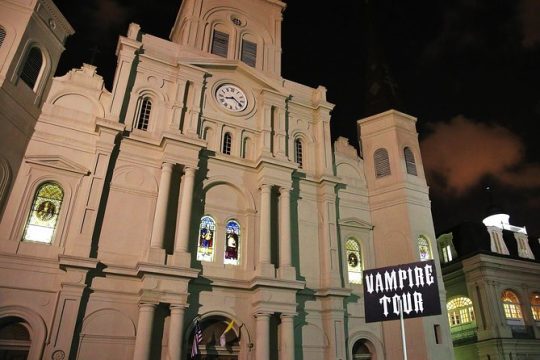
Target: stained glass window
424,248
232,243
460,311
535,306
354,261
512,309
207,231
43,217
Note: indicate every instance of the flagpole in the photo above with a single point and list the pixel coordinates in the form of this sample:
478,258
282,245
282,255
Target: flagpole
402,323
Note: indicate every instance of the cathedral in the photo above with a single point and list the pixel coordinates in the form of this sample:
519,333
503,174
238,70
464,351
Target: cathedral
198,208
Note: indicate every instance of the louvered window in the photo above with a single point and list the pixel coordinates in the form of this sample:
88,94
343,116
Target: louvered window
143,116
32,67
298,156
409,161
249,53
220,43
2,35
382,163
227,143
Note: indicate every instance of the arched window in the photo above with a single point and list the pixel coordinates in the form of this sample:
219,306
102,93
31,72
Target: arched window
423,248
246,148
143,113
32,67
220,43
249,52
460,311
354,261
535,306
43,217
361,350
2,35
207,231
227,143
232,243
15,341
409,161
512,308
298,153
382,163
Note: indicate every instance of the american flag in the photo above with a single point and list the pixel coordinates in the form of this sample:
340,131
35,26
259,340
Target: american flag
197,338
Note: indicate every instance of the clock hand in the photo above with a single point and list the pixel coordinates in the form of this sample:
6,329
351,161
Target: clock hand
232,97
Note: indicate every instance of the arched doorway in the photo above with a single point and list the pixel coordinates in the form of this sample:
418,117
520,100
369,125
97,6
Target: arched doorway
361,350
14,338
216,343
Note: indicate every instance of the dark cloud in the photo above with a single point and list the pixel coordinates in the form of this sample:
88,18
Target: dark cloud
460,153
529,13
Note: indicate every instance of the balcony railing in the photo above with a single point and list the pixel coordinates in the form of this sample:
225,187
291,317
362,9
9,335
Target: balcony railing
522,331
461,336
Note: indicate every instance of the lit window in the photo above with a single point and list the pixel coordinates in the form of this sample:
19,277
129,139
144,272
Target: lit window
354,261
143,113
447,253
227,143
220,43
423,248
382,163
298,154
43,217
232,243
249,53
32,67
535,306
460,311
2,35
207,230
512,309
409,161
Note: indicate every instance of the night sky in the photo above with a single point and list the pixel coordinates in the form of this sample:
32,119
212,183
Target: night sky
469,70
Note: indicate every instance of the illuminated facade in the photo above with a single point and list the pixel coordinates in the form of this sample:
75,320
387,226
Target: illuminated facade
203,185
492,277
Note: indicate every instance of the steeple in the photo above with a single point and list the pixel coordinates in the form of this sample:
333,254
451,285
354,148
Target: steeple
242,30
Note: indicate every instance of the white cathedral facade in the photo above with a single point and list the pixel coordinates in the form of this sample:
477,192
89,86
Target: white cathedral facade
204,186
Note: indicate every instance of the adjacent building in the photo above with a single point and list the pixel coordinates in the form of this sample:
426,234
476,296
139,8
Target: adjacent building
491,273
201,188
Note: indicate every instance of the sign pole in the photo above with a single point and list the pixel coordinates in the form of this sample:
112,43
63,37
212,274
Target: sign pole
402,323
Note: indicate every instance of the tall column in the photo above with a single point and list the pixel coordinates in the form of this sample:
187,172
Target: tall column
262,345
144,331
287,337
264,250
176,327
160,216
184,215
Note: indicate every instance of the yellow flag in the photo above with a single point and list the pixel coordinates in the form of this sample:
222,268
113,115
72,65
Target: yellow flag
222,340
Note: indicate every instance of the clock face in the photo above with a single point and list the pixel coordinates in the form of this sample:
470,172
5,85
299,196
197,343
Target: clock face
231,97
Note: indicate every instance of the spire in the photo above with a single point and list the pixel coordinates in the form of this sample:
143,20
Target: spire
382,91
492,208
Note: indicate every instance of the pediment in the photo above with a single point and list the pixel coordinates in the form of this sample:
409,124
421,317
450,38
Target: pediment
241,69
57,162
356,223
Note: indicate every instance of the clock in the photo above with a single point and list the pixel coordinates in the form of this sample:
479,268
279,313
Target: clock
231,97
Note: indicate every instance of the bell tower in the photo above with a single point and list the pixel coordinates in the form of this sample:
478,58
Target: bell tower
32,37
225,30
403,229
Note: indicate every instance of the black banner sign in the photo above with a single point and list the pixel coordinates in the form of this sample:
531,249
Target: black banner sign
415,284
